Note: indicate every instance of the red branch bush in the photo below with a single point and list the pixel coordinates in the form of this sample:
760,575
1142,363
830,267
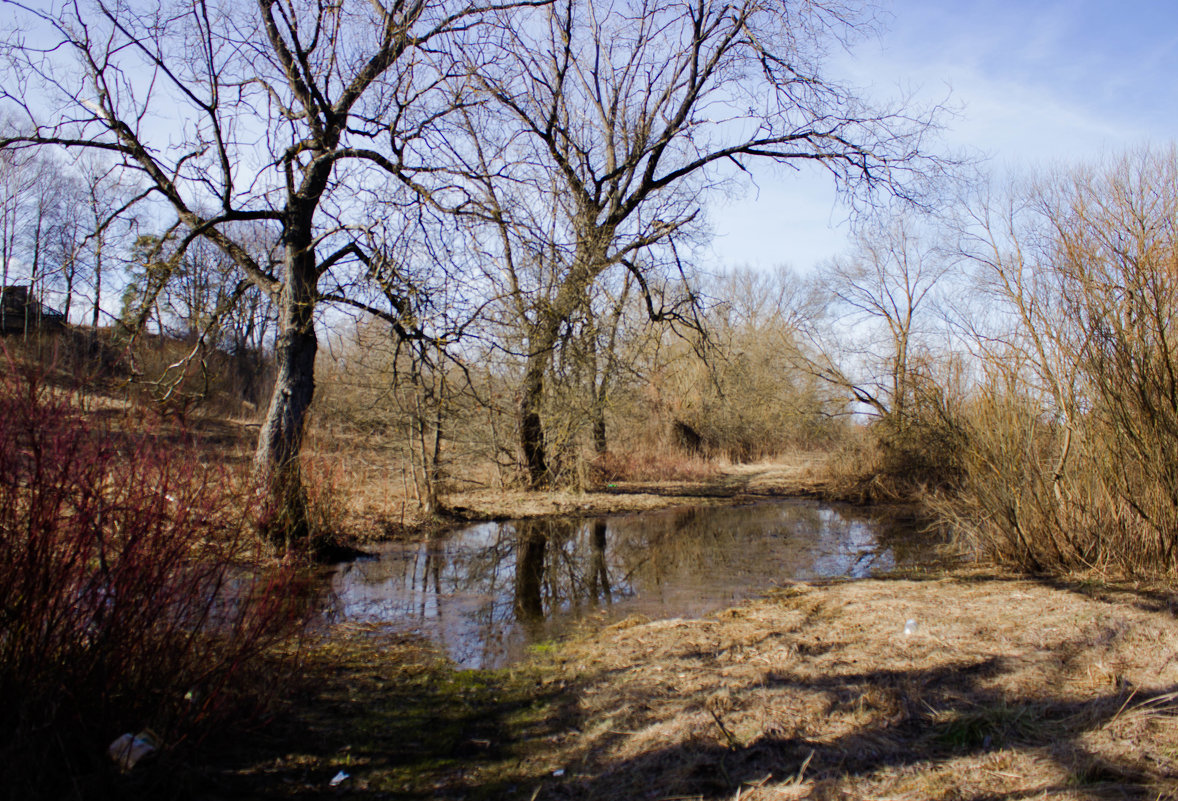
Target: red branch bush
130,592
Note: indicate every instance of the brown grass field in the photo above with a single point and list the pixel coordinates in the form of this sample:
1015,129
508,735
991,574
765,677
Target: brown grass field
1009,688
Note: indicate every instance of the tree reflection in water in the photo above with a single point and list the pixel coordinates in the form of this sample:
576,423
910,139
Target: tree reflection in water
487,591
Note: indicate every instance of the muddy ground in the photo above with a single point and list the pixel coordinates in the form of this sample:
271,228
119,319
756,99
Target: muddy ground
1008,688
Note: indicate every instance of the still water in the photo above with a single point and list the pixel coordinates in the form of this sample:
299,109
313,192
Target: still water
488,591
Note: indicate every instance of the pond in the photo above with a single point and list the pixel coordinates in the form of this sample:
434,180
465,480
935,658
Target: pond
489,591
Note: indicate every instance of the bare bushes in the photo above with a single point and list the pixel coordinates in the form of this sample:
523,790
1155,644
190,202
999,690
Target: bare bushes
648,465
922,444
737,392
1007,508
901,457
1072,461
1039,495
130,594
174,376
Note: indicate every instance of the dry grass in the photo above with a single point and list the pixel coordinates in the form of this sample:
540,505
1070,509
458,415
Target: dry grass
792,474
795,475
376,497
1008,689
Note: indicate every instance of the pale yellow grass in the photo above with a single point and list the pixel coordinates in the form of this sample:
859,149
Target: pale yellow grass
1007,689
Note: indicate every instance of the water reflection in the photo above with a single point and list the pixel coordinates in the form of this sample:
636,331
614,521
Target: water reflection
487,591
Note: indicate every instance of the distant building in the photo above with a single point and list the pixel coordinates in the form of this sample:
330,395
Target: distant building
19,312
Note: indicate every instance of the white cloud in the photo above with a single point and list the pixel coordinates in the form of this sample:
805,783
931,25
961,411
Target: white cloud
1035,85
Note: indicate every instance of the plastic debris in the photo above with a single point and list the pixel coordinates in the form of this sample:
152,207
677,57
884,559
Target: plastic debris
128,749
910,627
558,772
339,779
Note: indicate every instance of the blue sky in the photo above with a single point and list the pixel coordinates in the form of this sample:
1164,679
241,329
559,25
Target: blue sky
1036,84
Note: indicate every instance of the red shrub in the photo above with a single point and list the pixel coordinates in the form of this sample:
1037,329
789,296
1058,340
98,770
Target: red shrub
128,594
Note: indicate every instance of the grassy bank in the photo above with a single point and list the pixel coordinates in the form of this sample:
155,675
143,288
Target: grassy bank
1008,688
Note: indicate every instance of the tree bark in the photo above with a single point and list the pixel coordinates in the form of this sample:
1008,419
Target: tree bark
600,443
599,380
531,425
276,461
541,345
96,319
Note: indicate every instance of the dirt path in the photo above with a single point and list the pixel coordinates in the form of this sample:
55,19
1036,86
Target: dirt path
1007,688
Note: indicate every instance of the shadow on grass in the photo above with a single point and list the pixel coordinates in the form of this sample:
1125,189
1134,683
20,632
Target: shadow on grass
1154,596
401,723
947,714
426,731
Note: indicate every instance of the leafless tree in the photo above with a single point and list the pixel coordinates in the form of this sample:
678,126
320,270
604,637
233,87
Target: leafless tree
607,123
285,111
881,317
18,178
64,243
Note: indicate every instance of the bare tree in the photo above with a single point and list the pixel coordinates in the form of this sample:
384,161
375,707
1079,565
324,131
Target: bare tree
608,123
286,110
65,241
18,172
880,317
108,197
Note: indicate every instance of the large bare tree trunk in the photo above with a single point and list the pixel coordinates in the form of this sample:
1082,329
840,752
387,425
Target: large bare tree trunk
276,461
541,345
531,427
598,381
600,441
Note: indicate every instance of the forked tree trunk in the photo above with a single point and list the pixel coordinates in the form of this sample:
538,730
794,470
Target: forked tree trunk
541,344
276,461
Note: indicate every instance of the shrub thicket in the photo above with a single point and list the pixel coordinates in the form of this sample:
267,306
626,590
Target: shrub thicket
1072,461
131,595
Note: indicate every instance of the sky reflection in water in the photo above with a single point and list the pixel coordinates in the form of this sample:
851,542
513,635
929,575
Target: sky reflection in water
489,590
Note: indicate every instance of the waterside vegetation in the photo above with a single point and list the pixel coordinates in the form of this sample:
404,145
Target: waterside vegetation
406,264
